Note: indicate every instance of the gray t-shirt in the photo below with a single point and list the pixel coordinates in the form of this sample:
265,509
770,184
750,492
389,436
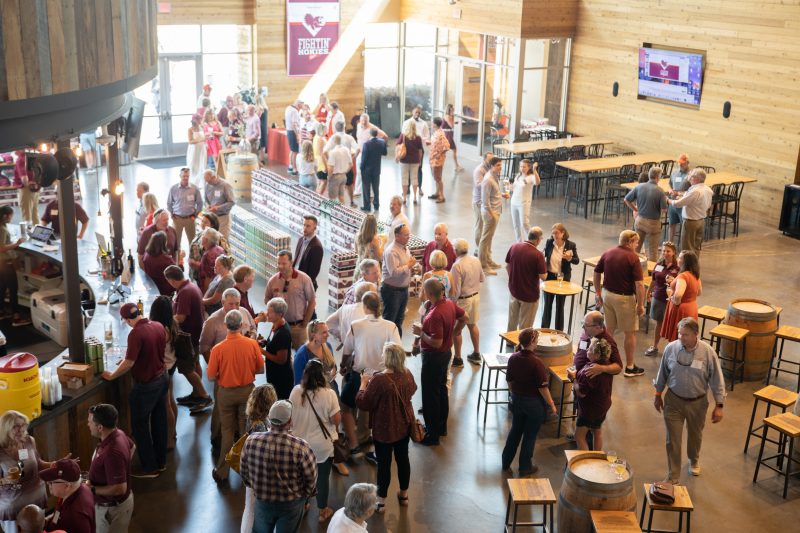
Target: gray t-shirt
650,200
218,284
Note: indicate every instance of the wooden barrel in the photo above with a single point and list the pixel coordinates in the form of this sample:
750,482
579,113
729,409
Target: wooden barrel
761,319
240,168
591,484
555,348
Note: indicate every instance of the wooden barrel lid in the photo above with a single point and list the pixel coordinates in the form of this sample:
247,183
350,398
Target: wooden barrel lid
753,308
596,470
552,338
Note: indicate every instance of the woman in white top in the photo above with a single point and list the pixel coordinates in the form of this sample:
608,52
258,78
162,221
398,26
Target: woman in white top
359,506
522,196
196,152
307,166
316,406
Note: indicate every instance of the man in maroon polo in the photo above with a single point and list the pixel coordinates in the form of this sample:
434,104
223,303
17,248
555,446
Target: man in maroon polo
75,506
110,470
145,361
439,242
443,320
525,265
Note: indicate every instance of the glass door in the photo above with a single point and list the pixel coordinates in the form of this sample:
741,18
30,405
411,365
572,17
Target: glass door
468,109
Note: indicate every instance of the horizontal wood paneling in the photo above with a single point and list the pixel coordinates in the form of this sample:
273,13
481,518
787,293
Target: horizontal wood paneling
495,17
548,18
209,12
752,60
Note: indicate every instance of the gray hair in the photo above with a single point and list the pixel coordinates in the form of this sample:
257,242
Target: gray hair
689,323
278,305
363,288
360,498
233,320
366,264
364,115
212,236
535,233
339,127
698,173
209,172
654,174
232,293
461,247
441,225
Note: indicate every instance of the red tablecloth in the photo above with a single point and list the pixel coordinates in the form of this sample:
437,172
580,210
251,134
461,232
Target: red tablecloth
278,146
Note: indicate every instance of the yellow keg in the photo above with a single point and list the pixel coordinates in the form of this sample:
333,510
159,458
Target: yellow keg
19,384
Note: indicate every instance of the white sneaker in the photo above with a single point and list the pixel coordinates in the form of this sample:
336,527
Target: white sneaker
694,468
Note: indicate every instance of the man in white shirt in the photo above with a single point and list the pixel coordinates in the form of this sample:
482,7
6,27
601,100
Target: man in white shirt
292,119
491,207
425,133
340,320
467,278
340,162
335,117
354,148
398,218
695,203
359,505
477,180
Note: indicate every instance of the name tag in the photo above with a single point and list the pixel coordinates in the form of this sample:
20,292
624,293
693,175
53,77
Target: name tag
217,194
54,212
583,345
699,364
658,268
23,454
190,197
56,516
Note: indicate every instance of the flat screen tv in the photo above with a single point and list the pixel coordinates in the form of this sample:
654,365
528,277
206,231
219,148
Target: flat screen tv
672,75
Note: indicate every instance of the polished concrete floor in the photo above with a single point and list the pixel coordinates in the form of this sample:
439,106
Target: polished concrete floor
459,486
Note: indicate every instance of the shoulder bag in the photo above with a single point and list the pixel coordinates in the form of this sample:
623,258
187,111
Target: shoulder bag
662,493
400,150
340,451
415,428
234,455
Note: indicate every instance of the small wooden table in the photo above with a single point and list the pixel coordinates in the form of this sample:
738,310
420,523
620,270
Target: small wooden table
532,146
682,504
526,491
564,288
592,262
497,363
614,522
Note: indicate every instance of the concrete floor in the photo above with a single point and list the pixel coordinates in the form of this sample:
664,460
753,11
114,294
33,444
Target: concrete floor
459,486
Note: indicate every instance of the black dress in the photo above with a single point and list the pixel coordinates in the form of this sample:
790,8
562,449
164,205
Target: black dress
280,376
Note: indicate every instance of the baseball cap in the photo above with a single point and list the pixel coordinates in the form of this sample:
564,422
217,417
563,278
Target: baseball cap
280,413
129,310
63,469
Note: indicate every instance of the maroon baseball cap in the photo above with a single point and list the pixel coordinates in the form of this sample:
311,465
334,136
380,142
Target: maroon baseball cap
129,310
63,469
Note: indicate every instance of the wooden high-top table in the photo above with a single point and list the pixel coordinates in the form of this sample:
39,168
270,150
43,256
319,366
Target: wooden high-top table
552,144
714,178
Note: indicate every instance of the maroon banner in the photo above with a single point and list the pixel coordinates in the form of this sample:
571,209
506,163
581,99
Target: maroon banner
312,30
664,70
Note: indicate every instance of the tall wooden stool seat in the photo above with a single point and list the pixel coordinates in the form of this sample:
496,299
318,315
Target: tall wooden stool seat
783,334
559,373
526,491
708,312
771,395
614,522
739,337
788,427
682,505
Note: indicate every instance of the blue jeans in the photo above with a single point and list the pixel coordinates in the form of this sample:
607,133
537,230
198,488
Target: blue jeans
395,300
528,414
149,422
323,482
278,517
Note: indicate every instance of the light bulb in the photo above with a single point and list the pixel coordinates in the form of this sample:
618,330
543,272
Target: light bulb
43,147
119,188
78,151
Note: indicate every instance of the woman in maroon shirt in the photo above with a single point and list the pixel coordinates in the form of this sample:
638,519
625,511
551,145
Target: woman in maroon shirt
156,259
409,164
593,395
389,393
528,381
664,272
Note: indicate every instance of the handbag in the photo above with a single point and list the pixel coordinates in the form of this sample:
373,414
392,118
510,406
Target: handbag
662,493
416,430
340,451
399,151
234,455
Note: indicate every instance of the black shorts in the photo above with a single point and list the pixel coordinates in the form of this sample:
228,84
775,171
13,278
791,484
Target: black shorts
292,137
350,177
187,365
322,175
350,385
585,422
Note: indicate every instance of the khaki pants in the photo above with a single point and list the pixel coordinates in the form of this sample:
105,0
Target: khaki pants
225,225
485,246
676,412
649,229
216,425
362,426
521,314
232,402
476,211
692,235
113,519
185,225
299,336
29,206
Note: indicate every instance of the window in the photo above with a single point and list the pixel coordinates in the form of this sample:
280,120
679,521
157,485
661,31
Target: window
177,39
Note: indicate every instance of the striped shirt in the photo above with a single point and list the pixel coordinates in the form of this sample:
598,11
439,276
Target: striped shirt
278,466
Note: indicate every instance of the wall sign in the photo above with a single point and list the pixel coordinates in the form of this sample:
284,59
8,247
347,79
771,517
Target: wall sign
312,30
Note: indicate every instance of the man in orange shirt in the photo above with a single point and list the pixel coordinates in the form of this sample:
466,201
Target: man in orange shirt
234,364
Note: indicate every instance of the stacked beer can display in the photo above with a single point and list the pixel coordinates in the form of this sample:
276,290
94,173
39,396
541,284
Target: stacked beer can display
93,354
237,238
255,242
341,275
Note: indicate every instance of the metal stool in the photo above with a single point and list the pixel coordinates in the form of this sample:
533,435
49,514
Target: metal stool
771,395
708,312
614,522
682,504
496,363
526,491
560,374
788,426
737,336
784,333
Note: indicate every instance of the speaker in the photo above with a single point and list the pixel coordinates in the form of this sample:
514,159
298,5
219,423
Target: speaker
44,167
67,163
615,89
726,109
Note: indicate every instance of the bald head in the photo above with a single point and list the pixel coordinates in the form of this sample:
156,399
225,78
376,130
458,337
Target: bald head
594,318
30,519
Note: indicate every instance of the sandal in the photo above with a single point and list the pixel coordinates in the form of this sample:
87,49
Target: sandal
380,507
325,514
341,468
402,500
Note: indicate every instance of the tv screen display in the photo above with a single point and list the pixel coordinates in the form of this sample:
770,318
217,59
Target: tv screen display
671,75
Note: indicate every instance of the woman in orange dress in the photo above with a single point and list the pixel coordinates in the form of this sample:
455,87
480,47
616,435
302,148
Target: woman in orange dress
683,293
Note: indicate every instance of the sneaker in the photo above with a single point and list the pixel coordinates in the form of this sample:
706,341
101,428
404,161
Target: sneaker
694,468
189,400
651,351
474,358
201,405
21,321
371,458
633,372
458,362
495,265
489,272
356,453
570,437
146,475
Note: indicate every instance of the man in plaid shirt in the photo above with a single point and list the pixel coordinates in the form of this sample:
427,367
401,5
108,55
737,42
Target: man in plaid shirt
282,471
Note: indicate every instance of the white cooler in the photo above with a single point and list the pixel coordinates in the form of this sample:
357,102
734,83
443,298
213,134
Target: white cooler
49,314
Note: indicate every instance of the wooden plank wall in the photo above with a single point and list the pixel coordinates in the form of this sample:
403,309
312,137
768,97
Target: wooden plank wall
495,17
548,18
752,60
51,47
210,12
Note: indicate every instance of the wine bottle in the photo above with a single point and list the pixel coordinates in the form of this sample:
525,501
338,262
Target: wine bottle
140,305
131,263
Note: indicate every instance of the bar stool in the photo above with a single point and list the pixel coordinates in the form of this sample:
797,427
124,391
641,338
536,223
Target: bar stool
509,338
737,336
526,491
614,522
682,504
788,426
784,333
559,373
771,395
497,363
708,312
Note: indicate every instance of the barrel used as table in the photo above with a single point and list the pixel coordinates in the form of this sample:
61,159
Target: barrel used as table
240,169
591,484
761,319
554,348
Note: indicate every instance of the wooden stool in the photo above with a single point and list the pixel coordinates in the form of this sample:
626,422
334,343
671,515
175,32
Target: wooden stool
614,522
509,338
526,491
708,312
560,374
681,505
739,337
784,333
588,288
788,426
771,395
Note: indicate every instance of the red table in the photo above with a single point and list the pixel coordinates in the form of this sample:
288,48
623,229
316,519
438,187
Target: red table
278,146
